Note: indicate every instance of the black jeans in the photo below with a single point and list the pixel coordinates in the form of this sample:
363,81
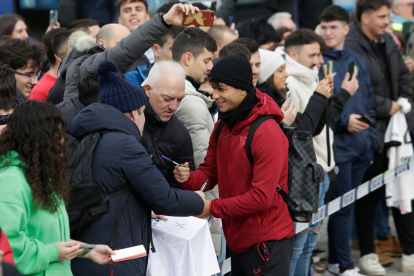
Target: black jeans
365,212
252,263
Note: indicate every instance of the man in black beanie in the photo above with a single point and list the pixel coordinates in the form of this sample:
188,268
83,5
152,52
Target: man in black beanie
256,221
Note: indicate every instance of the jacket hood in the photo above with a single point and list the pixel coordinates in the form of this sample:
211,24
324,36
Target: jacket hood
335,54
355,34
4,119
265,106
297,70
191,91
102,117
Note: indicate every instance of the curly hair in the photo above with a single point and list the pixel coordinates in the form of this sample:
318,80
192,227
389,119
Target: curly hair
35,131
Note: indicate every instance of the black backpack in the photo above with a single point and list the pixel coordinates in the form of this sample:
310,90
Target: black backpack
304,173
87,202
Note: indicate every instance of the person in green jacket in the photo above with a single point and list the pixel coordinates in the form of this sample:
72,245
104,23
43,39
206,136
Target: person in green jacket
33,189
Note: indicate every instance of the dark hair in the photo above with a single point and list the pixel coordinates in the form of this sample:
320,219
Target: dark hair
82,24
47,39
364,6
120,3
59,41
88,89
249,43
259,30
167,7
299,38
217,33
8,22
35,131
7,87
17,52
281,32
192,40
173,32
234,48
333,13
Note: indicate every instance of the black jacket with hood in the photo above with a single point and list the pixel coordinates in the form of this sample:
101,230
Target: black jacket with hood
399,77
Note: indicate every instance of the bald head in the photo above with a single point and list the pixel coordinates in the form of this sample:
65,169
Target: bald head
111,34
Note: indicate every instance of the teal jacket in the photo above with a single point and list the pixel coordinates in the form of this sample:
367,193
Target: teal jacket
32,233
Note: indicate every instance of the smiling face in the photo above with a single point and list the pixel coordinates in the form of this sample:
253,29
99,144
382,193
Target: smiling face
374,23
20,31
227,97
166,95
279,77
132,15
22,82
334,33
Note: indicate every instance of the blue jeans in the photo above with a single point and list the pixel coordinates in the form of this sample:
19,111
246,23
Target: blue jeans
350,175
306,242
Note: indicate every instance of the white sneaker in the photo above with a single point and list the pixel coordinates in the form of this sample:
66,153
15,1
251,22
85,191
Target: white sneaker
351,272
370,265
332,270
407,263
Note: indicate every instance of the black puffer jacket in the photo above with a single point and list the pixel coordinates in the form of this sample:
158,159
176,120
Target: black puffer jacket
170,139
69,111
399,79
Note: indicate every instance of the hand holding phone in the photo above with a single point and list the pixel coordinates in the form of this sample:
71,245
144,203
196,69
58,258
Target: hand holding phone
53,17
288,98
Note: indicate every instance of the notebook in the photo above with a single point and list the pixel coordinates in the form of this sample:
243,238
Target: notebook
129,253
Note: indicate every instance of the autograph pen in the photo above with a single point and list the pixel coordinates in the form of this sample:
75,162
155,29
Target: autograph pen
204,186
175,163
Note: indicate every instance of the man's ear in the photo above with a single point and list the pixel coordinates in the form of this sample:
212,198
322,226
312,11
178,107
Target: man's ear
148,89
156,49
364,18
102,43
346,29
57,59
187,59
293,54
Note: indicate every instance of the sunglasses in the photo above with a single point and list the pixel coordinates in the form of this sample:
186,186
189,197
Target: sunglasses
208,95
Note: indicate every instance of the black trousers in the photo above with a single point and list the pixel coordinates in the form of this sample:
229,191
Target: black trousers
252,263
365,213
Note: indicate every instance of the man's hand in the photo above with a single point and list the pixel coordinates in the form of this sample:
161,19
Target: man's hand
160,217
175,15
395,108
325,88
354,125
351,86
409,62
290,113
182,173
55,26
206,210
99,254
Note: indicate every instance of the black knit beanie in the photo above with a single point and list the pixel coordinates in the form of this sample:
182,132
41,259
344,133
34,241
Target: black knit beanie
234,70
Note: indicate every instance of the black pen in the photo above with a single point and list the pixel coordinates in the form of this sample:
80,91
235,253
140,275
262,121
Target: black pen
204,186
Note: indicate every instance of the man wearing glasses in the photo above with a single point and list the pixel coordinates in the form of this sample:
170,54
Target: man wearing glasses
25,58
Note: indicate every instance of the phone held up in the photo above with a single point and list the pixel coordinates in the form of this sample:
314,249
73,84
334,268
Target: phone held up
288,99
53,17
201,18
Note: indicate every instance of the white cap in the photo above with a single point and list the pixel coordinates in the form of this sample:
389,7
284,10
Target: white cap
269,63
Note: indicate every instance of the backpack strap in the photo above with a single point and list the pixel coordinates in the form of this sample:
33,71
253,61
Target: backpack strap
121,204
218,130
255,125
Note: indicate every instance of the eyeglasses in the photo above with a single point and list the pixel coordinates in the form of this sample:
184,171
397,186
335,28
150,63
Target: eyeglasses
208,95
31,77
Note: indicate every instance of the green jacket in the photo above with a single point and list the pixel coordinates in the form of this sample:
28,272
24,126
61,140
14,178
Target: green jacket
32,234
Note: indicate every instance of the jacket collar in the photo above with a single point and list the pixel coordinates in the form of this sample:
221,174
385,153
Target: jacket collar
193,82
150,115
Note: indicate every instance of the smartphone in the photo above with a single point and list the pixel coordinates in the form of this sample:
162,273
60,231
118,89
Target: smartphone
201,18
231,20
366,119
288,98
53,17
351,69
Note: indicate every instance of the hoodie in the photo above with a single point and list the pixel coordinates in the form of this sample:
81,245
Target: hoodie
303,81
249,206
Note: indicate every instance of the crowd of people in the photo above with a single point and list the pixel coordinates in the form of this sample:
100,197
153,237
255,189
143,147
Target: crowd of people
91,117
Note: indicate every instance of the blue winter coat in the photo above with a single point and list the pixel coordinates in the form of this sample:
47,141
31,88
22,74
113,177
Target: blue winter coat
119,160
351,145
139,75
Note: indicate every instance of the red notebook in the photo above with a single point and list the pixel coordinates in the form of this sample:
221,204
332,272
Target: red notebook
129,253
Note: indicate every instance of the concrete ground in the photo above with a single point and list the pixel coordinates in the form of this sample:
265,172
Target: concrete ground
393,270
